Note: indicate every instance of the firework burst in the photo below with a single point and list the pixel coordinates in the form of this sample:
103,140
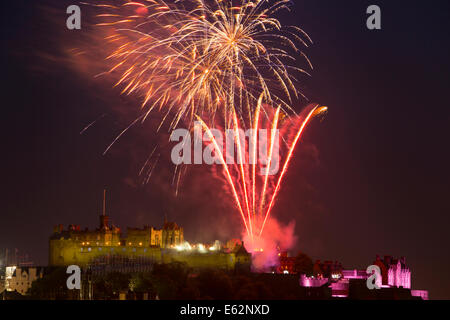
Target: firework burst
200,57
227,61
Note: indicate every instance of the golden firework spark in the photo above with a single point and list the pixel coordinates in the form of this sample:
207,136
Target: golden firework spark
200,57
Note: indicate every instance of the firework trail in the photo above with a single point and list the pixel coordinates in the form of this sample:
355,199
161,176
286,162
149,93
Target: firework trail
242,178
91,124
201,57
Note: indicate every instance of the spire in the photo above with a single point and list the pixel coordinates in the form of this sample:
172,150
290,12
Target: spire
104,202
103,216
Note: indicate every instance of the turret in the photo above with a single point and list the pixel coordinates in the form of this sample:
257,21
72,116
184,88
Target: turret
104,222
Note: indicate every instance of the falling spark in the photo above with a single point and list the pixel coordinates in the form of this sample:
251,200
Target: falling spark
255,227
200,57
91,124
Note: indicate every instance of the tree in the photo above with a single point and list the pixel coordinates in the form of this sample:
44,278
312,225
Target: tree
117,282
51,286
303,264
142,283
176,271
166,288
215,284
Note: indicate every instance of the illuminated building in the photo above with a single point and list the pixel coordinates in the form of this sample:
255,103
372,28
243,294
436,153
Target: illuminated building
20,278
87,247
394,275
394,272
327,269
287,264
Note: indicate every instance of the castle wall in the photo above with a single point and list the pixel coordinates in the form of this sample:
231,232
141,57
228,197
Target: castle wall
156,237
138,237
67,252
198,260
72,246
172,237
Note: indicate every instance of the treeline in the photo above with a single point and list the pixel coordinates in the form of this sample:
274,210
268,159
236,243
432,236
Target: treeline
171,281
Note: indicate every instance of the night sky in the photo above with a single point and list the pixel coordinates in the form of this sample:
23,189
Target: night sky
371,178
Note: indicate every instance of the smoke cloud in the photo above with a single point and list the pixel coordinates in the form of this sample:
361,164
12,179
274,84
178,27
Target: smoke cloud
275,239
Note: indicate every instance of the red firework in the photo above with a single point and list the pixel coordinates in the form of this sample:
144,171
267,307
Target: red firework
255,195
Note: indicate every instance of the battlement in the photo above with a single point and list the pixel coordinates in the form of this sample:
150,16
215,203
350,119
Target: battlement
83,247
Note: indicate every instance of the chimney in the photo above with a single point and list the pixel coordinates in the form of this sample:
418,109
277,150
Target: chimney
104,222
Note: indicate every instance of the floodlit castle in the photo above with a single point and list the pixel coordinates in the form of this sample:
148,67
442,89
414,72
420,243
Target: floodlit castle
76,246
147,245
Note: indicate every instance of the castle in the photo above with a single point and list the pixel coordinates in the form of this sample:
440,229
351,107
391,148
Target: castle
84,247
395,274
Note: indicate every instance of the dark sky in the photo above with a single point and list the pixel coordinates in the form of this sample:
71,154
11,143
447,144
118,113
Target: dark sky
371,178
